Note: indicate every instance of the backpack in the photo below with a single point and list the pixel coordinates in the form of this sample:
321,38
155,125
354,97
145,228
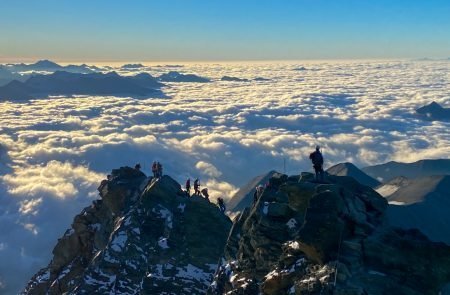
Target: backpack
316,158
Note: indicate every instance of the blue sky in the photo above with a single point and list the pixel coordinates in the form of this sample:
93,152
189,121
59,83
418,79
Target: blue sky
146,30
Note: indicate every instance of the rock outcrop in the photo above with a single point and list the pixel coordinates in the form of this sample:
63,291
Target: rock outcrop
244,196
174,76
145,236
303,237
434,112
348,169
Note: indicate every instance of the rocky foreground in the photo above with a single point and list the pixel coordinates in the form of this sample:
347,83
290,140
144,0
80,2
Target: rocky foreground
307,238
145,236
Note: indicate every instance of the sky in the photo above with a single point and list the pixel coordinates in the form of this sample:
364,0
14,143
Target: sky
195,30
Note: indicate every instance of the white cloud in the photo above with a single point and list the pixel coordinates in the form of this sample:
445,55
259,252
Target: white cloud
208,169
53,153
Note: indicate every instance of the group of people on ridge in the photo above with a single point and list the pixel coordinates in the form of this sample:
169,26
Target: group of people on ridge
316,158
203,192
157,169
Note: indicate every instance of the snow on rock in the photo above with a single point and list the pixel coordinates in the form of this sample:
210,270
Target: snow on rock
387,190
162,242
192,272
293,245
292,223
396,203
119,242
165,214
181,207
377,273
266,208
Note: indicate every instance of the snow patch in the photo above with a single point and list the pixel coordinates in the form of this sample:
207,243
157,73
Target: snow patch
162,242
396,203
266,208
387,190
377,273
119,242
293,245
182,207
292,223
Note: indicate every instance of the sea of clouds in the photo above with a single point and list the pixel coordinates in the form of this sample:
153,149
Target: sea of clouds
54,152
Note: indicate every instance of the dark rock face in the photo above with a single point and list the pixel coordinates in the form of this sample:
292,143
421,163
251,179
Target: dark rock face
143,237
348,169
244,196
47,65
304,237
173,76
388,171
434,112
234,79
421,203
66,83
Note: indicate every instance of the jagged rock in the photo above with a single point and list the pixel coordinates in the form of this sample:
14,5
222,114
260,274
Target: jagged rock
333,239
144,237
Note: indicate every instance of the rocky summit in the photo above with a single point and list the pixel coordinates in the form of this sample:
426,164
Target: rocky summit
303,237
144,236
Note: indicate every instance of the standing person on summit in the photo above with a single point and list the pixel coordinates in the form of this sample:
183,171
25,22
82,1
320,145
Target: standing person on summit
317,161
155,169
197,187
188,186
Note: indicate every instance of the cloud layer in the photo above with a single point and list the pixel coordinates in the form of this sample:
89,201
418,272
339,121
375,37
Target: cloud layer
54,152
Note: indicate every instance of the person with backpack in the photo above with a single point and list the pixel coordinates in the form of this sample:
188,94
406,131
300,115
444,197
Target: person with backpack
221,204
317,161
188,186
197,187
155,169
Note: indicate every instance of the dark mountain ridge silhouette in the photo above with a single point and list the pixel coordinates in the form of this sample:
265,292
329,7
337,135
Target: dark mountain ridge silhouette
65,83
348,169
421,203
174,76
428,167
50,66
434,112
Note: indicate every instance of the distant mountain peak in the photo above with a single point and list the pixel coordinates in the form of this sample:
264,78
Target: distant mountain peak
434,112
45,63
349,169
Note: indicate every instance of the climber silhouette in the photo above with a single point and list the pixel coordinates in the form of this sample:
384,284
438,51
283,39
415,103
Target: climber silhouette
221,204
155,169
188,186
317,161
197,187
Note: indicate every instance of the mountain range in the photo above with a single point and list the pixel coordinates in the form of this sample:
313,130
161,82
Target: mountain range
67,84
388,171
49,66
348,169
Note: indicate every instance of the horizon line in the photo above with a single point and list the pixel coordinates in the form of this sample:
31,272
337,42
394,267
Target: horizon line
13,60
